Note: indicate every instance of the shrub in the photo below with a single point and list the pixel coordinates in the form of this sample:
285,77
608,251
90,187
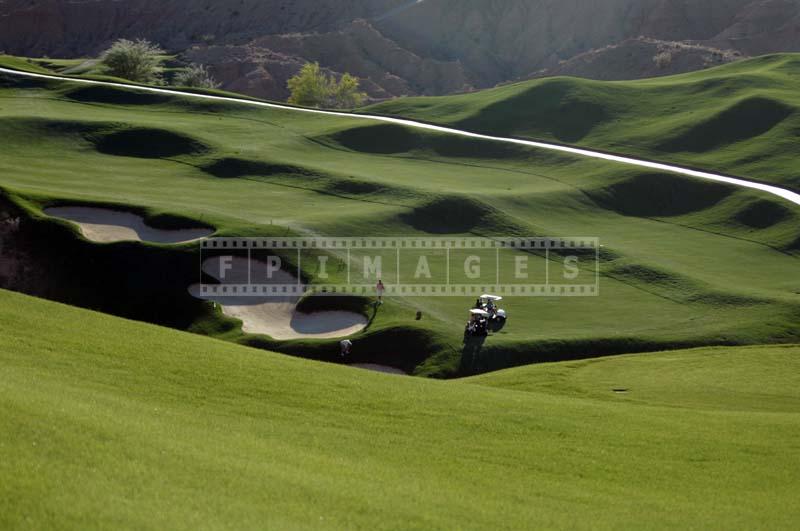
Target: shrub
663,59
345,93
195,76
134,60
311,87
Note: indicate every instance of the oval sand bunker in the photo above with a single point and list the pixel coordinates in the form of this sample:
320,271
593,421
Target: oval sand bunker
104,225
276,317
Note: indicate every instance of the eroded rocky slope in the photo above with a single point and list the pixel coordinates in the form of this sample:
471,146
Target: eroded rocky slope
403,47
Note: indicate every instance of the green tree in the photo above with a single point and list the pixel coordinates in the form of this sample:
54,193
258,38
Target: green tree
135,60
196,76
311,87
345,93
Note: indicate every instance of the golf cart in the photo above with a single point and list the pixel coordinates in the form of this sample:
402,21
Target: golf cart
478,324
489,304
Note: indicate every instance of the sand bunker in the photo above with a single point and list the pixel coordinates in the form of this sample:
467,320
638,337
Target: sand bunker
276,317
103,225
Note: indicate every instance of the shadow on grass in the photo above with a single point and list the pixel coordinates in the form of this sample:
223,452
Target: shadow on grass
471,355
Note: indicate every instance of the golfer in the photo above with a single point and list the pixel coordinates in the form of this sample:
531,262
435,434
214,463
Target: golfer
380,288
346,346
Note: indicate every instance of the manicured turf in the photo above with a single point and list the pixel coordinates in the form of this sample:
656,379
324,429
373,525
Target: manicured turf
686,262
714,379
111,423
740,118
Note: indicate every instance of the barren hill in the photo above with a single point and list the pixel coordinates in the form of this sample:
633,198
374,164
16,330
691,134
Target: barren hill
402,47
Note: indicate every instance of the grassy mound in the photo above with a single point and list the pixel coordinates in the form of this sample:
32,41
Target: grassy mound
651,276
24,65
390,139
231,167
762,214
32,129
355,187
448,215
738,118
114,96
679,288
381,139
743,120
148,143
559,107
7,81
654,195
463,147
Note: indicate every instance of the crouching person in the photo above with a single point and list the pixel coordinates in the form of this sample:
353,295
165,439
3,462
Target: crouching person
345,346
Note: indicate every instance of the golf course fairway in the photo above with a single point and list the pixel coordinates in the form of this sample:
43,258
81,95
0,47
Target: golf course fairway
113,423
790,196
685,262
666,396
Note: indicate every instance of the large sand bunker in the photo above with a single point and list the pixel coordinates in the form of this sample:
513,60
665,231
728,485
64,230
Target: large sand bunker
104,225
276,317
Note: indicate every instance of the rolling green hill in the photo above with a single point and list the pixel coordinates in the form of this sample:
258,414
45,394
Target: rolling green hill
113,423
685,262
741,118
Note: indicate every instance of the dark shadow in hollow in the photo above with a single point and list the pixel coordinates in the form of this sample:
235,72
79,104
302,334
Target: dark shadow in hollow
470,354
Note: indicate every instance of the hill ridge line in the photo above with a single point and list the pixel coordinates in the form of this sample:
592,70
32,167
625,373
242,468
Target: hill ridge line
788,195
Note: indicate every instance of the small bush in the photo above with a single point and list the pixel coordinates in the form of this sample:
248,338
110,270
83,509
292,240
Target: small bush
663,59
195,76
134,60
313,88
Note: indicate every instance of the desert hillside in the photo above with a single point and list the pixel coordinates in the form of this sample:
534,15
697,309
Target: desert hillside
426,47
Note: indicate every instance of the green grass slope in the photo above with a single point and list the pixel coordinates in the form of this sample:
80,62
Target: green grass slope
756,379
112,423
90,68
742,118
685,262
